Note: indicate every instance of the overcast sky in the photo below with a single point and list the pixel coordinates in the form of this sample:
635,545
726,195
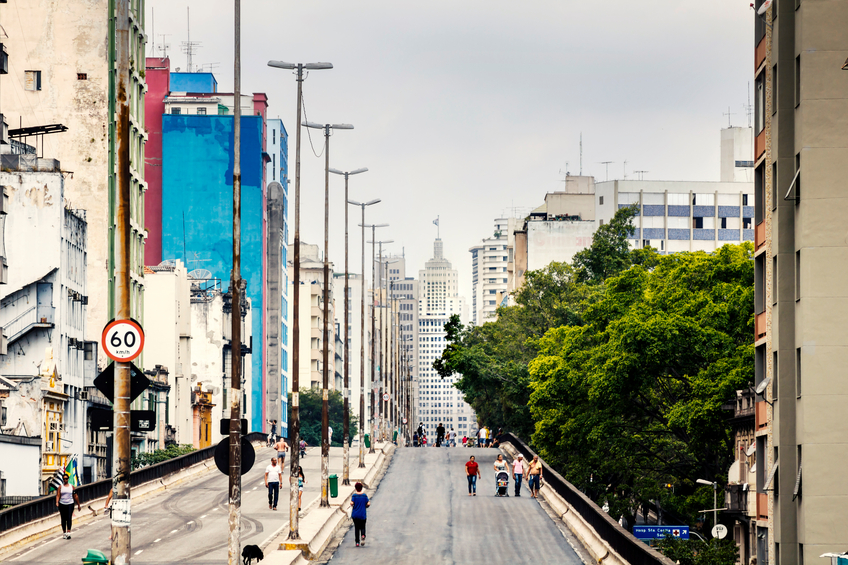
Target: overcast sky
468,109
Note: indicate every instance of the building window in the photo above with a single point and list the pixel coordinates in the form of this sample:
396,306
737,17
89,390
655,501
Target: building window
32,80
798,372
273,166
774,88
601,201
274,136
774,280
201,111
759,103
797,81
798,275
774,186
759,193
176,111
82,76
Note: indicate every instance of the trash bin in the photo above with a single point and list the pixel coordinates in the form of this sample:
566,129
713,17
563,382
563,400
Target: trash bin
95,556
368,441
334,486
394,437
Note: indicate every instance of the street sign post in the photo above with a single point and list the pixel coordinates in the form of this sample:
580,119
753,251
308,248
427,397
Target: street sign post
105,382
386,397
102,420
660,532
222,456
122,340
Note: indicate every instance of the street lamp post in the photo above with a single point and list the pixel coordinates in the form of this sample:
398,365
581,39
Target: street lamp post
346,425
375,344
325,406
715,497
294,423
362,327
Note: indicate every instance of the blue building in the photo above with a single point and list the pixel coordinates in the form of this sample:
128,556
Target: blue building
197,177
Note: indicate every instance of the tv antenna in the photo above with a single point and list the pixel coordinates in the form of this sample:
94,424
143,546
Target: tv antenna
581,153
163,48
641,174
749,110
606,164
728,114
207,67
189,47
625,169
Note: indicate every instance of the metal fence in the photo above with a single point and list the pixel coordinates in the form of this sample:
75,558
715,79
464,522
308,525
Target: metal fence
620,540
44,506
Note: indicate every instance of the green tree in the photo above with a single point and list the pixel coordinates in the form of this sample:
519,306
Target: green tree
698,552
631,400
145,459
311,402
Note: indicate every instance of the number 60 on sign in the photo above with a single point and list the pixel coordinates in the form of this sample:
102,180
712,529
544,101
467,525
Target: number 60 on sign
122,340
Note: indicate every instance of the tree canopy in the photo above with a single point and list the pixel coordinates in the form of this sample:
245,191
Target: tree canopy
311,402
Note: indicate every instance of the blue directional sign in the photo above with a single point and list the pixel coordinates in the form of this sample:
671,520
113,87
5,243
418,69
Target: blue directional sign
660,532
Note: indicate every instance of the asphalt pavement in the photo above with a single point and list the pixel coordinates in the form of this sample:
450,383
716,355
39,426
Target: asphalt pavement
421,513
188,523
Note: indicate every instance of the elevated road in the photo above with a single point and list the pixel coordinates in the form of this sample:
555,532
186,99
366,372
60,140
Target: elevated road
421,513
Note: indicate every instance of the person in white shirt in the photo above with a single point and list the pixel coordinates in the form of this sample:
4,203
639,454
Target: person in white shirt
273,478
481,437
452,438
329,435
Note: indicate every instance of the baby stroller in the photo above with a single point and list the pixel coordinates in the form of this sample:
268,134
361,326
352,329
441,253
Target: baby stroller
502,480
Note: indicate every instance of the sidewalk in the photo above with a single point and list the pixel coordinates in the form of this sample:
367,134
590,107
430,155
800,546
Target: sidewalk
317,525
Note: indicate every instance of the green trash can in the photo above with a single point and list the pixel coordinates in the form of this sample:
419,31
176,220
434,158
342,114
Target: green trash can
368,441
394,437
334,486
95,556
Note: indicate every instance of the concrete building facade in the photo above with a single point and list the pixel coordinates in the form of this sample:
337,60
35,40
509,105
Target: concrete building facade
438,299
801,299
489,278
62,71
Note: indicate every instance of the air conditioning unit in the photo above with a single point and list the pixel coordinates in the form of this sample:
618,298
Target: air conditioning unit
83,395
49,446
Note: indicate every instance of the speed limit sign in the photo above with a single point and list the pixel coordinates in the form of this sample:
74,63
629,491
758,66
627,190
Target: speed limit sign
386,397
122,340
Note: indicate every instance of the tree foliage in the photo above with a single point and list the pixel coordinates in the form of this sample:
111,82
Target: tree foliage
311,402
631,401
146,459
698,552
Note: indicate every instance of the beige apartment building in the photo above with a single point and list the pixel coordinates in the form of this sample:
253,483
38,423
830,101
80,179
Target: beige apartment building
801,262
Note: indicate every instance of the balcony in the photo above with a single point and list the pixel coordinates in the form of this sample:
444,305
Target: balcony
760,235
760,326
36,316
736,499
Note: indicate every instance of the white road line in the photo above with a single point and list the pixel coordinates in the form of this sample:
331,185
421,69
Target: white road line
157,540
214,509
139,551
174,531
21,556
189,522
202,517
254,488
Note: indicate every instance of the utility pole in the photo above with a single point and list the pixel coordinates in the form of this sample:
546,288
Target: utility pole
234,520
374,340
294,423
121,546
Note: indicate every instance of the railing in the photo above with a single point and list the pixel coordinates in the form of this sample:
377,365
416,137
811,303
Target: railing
45,506
27,319
737,499
620,540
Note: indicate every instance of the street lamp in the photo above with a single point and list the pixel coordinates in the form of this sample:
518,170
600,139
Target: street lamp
715,497
384,340
346,425
373,334
362,341
294,423
325,406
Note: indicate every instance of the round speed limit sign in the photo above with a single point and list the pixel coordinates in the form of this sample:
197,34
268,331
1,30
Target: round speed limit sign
122,340
386,397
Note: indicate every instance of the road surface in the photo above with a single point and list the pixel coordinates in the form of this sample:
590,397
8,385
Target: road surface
187,524
421,513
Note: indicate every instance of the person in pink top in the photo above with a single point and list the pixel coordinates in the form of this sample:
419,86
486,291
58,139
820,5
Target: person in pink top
518,472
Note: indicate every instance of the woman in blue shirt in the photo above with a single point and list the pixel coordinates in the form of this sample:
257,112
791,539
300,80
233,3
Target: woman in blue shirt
360,502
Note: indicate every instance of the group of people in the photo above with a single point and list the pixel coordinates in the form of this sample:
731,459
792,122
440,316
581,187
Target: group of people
448,438
533,472
274,478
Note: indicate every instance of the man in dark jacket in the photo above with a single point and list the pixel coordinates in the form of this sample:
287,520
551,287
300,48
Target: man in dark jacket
440,434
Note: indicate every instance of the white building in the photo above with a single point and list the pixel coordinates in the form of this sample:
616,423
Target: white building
489,261
167,344
438,300
49,366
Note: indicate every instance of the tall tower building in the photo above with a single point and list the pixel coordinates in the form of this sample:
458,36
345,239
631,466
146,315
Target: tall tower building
489,278
438,300
801,298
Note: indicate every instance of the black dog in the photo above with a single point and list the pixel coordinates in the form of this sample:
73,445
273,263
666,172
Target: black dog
251,552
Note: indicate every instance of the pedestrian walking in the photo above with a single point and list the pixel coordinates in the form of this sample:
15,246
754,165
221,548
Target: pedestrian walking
359,501
452,436
440,434
329,435
488,436
472,471
500,466
534,479
301,480
481,436
65,498
272,437
302,448
273,478
518,473
282,447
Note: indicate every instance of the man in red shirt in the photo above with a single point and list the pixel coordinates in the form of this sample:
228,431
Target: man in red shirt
472,471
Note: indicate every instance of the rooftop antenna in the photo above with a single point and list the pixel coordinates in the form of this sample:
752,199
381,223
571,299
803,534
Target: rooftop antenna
625,169
208,67
438,232
581,153
565,179
164,47
189,47
641,174
606,164
728,114
749,110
